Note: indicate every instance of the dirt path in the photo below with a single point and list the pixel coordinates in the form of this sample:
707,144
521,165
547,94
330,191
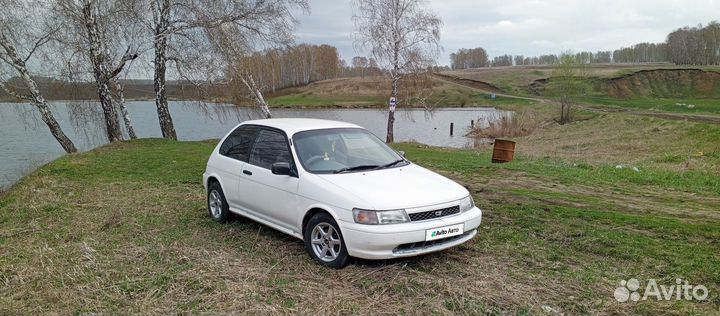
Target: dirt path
489,88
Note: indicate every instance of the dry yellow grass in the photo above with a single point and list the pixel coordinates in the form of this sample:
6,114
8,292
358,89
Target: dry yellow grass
373,91
621,139
521,123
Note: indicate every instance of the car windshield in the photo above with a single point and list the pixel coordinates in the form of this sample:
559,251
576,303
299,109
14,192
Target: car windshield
338,150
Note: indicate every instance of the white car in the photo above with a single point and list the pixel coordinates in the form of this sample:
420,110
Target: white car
337,187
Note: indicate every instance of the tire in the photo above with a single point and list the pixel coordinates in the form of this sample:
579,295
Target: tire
317,244
217,204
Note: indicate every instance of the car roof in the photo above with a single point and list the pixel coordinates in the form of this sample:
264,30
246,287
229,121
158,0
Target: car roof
294,125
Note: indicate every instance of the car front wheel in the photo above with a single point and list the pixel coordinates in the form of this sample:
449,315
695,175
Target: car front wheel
324,241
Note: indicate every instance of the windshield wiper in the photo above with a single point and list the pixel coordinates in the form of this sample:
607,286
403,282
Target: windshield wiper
390,164
360,167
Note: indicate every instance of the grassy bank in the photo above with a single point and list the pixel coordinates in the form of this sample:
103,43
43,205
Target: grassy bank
124,229
688,106
688,91
515,79
373,91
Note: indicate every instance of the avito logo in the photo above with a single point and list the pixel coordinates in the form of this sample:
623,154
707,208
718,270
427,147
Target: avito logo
631,290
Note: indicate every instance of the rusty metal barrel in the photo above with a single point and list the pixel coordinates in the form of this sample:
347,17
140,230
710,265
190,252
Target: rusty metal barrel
503,151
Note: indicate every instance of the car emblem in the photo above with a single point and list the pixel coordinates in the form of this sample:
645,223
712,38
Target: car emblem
438,213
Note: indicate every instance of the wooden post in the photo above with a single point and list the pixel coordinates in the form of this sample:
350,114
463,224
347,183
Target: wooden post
472,123
451,129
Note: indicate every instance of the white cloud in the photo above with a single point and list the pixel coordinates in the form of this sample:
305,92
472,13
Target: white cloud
526,27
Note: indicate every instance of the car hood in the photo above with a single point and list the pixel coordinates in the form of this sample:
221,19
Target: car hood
400,187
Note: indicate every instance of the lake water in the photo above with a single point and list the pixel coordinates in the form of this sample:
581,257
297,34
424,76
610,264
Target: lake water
26,143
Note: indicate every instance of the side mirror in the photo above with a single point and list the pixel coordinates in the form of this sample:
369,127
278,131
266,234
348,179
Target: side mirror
282,168
402,153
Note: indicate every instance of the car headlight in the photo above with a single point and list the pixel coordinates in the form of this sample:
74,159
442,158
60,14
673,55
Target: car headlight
467,204
370,217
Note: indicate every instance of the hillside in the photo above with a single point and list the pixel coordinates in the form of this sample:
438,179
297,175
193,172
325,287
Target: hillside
373,91
658,87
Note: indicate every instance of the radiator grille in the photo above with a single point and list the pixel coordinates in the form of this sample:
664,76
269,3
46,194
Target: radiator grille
434,213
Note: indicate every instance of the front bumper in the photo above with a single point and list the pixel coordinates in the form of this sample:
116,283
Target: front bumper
382,241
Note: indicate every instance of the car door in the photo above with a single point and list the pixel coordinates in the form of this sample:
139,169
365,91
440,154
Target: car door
270,196
234,154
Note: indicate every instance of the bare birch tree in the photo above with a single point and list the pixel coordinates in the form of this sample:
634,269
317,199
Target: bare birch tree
249,82
20,39
401,35
92,31
174,21
119,95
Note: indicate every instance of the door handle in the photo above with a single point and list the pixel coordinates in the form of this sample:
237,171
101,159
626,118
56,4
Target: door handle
247,172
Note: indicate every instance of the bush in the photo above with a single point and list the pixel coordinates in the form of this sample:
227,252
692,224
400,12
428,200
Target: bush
515,124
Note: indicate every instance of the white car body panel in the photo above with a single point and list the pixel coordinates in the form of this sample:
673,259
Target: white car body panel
269,196
282,202
398,188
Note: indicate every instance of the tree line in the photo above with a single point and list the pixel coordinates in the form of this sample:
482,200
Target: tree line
698,45
291,66
641,53
695,45
636,53
360,66
274,69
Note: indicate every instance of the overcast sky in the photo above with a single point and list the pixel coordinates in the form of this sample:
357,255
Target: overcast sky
525,27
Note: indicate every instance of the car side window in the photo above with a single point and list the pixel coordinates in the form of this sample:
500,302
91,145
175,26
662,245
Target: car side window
270,147
237,145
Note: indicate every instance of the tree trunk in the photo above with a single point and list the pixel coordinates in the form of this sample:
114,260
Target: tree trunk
391,113
37,99
53,125
47,116
101,71
257,95
112,125
123,109
166,124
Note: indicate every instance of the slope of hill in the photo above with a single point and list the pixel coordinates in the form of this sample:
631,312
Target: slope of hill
660,87
373,91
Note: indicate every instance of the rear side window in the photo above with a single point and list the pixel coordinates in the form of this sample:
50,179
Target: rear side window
270,147
237,145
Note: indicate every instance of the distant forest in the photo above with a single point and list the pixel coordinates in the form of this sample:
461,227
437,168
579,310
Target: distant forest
684,46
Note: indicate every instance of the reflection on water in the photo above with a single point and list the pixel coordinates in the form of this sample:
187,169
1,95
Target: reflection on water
26,142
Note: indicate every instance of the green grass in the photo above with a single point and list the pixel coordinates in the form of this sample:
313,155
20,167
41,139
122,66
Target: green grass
123,229
572,173
689,106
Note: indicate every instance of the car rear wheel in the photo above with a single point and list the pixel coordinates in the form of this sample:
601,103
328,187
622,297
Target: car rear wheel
324,241
217,205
